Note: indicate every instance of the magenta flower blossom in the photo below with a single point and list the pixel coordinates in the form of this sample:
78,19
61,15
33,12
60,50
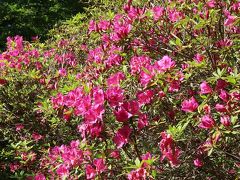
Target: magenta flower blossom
157,12
169,150
114,79
230,20
207,109
224,95
103,25
63,171
62,72
225,120
174,15
139,174
145,97
206,122
100,165
199,58
19,127
211,3
90,172
92,26
122,115
205,88
189,105
122,136
142,121
137,62
221,84
174,86
131,106
39,176
114,96
165,63
146,157
98,96
220,108
146,77
115,154
198,163
36,136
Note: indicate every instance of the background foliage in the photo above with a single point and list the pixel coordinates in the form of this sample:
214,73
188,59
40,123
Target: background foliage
30,18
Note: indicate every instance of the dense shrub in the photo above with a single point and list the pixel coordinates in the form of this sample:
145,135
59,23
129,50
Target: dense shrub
146,91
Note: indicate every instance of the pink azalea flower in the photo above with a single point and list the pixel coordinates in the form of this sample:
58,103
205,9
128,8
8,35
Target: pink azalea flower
145,78
100,165
225,120
220,108
62,171
199,58
131,106
115,154
169,150
211,3
62,72
145,97
36,136
39,176
207,109
137,62
165,63
235,95
198,163
189,105
14,167
103,25
174,86
146,157
174,15
122,136
98,96
206,122
114,96
19,127
157,12
92,26
139,174
221,84
224,95
230,20
224,43
114,80
3,81
161,94
90,172
74,144
122,115
205,88
142,121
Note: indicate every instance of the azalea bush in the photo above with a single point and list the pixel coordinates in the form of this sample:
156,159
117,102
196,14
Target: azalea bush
146,91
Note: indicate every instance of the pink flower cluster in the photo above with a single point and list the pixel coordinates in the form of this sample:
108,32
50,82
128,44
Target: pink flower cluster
169,150
89,106
66,158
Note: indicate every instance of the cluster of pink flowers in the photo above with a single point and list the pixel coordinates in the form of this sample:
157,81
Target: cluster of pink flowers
169,149
65,158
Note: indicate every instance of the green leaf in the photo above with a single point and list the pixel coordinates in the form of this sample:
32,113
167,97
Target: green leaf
210,152
154,173
138,163
231,79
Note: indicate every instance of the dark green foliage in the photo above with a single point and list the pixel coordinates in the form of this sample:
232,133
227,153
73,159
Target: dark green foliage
31,18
